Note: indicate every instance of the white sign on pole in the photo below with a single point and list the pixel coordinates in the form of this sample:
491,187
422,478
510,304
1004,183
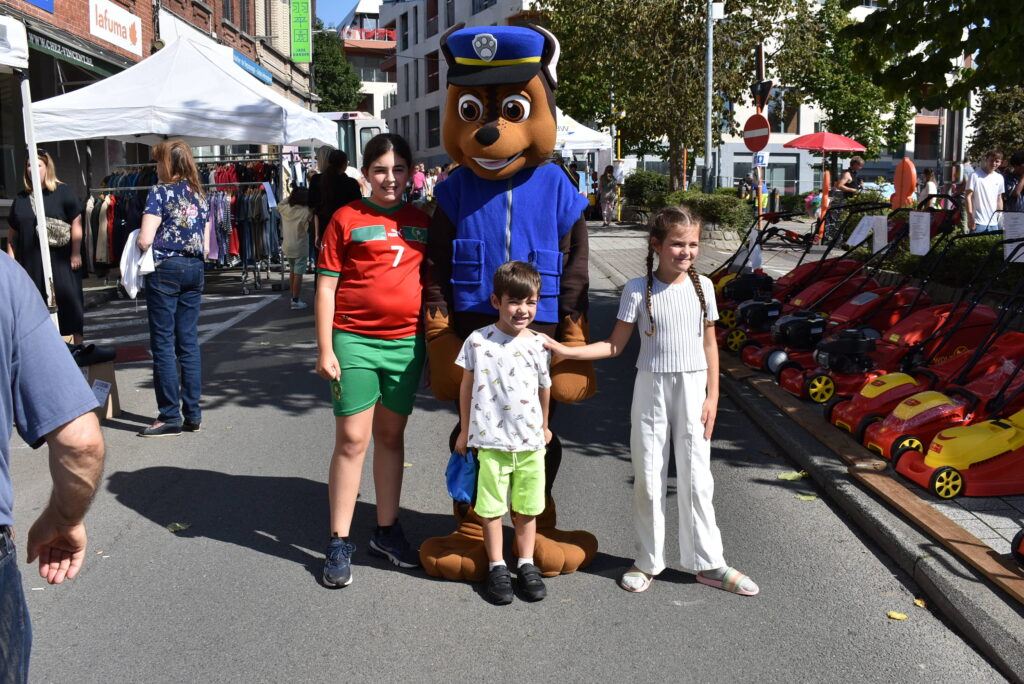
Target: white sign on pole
880,232
860,233
920,232
1013,229
760,159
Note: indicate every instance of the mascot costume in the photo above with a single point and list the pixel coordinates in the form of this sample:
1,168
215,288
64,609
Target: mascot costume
505,202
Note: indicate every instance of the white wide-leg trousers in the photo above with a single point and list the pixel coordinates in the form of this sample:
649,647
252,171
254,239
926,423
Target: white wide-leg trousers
667,406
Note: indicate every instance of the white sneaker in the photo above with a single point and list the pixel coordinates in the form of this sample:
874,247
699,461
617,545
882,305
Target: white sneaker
298,304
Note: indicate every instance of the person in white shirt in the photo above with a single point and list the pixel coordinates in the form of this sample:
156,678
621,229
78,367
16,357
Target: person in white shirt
985,195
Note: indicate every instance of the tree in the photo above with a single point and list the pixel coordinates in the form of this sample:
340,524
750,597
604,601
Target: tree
818,62
335,82
920,48
650,54
998,123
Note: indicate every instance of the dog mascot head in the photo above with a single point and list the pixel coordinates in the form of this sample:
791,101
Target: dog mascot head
500,111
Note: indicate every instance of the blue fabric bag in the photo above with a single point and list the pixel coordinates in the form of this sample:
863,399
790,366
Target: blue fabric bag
461,476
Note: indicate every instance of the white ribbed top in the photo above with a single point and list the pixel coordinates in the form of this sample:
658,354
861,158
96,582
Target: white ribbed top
678,343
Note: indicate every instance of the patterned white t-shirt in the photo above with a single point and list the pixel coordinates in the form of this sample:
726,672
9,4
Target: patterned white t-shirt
678,342
508,372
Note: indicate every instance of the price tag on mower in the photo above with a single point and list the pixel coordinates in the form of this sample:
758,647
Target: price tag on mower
1013,229
879,231
920,232
860,233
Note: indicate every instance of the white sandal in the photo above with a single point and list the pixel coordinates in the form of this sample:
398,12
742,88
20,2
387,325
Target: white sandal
636,581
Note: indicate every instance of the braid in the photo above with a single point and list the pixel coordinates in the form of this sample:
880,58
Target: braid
695,279
650,288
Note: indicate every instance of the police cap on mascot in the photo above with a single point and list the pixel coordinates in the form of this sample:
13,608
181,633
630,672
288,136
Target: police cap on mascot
505,202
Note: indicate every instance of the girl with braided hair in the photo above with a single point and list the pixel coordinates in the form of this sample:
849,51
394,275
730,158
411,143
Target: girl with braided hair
675,397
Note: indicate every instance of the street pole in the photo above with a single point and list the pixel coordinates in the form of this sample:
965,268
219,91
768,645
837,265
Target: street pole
709,181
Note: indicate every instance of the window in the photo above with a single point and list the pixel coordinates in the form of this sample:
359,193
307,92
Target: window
416,132
433,68
449,13
405,70
229,10
366,134
243,16
416,77
434,127
783,113
481,5
431,18
416,25
367,67
403,32
405,126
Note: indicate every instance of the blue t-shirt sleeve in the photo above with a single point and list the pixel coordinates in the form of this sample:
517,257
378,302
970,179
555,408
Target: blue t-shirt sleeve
154,201
47,386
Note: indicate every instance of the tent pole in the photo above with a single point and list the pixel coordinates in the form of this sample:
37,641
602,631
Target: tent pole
37,194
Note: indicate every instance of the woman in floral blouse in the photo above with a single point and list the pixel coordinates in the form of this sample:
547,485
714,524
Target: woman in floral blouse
176,225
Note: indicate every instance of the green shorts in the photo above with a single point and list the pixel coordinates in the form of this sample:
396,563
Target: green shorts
525,470
373,369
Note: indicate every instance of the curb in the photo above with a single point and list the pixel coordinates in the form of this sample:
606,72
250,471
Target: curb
975,606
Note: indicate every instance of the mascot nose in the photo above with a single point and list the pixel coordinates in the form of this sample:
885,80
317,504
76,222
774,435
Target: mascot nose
488,135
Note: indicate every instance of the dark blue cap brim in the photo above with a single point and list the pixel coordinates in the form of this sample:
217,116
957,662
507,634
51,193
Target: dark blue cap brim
465,75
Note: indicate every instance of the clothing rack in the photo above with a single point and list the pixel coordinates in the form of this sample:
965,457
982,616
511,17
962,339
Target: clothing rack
147,187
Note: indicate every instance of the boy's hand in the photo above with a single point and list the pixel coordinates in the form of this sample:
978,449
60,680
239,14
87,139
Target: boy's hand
708,412
327,366
460,442
547,436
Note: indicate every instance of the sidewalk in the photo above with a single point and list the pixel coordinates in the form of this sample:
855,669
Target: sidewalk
989,618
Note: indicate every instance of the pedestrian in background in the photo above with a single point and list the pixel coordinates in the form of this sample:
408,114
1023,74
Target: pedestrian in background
295,217
334,190
606,194
369,333
64,234
850,182
177,224
43,394
675,397
419,180
984,194
929,188
1013,200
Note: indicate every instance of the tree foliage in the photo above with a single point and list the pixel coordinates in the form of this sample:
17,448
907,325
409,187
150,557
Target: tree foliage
651,55
918,48
818,63
334,81
998,123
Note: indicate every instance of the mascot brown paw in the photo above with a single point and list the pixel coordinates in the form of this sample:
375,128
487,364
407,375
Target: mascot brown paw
443,347
560,552
572,381
460,555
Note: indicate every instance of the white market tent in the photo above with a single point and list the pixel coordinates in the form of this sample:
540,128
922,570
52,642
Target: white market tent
574,136
190,90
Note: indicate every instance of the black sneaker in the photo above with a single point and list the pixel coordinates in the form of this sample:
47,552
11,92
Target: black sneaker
159,429
191,425
338,564
531,586
498,587
395,548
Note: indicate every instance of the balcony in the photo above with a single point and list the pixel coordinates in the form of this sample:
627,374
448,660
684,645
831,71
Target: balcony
351,33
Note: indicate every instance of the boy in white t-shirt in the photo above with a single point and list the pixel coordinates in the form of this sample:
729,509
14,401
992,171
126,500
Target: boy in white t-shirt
985,195
503,414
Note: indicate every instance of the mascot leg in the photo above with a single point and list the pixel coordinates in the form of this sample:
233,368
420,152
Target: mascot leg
460,555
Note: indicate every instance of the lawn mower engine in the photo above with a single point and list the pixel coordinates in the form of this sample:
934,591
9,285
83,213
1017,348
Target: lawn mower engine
800,330
758,314
748,286
848,352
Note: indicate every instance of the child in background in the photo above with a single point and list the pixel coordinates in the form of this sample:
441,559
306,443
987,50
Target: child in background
295,215
503,414
370,338
675,397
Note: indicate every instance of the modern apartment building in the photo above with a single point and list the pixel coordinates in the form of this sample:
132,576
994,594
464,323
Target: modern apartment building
367,46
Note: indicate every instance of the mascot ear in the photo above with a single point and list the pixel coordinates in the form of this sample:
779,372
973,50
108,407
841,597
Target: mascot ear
449,58
549,59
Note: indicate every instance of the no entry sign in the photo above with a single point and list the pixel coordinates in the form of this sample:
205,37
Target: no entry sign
755,133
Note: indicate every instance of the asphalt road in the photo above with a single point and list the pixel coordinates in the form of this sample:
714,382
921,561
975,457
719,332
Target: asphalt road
236,595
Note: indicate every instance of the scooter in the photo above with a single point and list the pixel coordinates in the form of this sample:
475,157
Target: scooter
848,361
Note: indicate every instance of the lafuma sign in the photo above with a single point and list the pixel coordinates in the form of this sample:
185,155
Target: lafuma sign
116,25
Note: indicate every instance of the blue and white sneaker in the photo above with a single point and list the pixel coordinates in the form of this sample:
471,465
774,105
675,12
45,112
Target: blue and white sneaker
338,564
395,548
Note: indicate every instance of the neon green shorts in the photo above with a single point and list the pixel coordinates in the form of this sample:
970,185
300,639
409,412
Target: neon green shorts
373,369
523,469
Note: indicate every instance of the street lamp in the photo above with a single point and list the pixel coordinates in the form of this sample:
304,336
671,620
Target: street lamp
716,10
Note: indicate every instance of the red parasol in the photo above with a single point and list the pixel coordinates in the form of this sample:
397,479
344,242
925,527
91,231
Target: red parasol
823,141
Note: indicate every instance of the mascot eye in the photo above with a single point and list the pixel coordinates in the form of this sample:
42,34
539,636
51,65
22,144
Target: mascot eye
470,108
515,108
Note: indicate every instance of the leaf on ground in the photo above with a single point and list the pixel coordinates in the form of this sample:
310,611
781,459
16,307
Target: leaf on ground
920,603
264,343
807,497
407,465
793,475
178,527
893,615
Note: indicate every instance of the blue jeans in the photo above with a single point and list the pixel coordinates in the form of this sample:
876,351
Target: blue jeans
173,293
15,628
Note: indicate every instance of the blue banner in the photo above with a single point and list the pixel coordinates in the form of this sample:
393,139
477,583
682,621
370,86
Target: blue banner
42,4
253,68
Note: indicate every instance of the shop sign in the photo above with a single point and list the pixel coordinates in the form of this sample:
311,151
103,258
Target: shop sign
253,68
115,25
42,4
68,54
302,32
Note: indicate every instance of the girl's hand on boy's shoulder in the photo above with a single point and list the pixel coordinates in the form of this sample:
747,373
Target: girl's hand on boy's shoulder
552,346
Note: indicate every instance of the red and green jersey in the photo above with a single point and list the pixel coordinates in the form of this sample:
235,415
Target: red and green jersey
377,254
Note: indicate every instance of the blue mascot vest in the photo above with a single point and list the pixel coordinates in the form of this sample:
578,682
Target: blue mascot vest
522,218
